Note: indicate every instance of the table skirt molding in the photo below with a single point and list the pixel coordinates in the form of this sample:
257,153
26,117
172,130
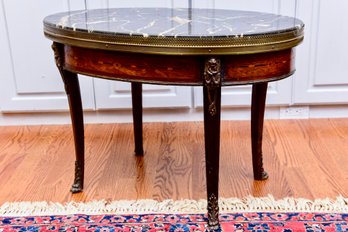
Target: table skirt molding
175,70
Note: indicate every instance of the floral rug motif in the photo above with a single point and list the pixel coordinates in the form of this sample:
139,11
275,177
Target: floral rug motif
260,222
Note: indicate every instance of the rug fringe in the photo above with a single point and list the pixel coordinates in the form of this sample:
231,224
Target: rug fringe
227,205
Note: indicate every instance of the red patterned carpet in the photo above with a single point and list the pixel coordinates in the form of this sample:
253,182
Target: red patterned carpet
286,222
248,214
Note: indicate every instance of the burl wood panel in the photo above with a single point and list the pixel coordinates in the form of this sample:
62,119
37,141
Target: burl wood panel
169,69
260,66
133,66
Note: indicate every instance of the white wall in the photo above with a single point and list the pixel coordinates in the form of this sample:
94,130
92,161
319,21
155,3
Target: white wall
31,90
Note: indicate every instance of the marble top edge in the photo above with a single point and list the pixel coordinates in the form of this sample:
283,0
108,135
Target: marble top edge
180,23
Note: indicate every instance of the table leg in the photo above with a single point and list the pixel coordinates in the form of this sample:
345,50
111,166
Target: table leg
257,118
137,106
72,89
212,108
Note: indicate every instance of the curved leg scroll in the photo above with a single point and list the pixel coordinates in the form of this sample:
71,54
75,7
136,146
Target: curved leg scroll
73,91
257,118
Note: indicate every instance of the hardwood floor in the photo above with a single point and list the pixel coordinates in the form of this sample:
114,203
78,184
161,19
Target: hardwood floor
304,158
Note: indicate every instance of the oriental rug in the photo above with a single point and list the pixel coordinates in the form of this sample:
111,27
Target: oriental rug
247,214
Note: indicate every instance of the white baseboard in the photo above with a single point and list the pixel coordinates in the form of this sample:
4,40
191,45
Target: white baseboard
173,115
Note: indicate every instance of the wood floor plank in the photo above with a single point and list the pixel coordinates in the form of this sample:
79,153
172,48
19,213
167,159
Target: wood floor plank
305,158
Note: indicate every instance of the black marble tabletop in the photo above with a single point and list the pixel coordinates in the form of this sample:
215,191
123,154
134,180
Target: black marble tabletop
166,22
175,30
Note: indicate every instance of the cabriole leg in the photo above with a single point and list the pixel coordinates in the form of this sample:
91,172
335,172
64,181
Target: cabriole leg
257,118
72,89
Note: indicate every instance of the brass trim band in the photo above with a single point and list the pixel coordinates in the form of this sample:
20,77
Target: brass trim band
177,46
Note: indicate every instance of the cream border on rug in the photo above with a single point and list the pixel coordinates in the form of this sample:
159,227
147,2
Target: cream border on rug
227,205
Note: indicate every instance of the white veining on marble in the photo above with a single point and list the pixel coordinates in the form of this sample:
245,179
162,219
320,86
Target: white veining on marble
162,22
149,25
180,20
64,21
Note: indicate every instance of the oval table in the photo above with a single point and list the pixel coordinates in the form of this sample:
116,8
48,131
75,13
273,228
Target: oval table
192,47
